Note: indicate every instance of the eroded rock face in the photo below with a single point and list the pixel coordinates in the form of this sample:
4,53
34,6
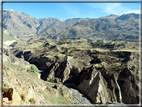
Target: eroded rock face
103,88
100,90
26,87
113,82
42,63
129,87
78,99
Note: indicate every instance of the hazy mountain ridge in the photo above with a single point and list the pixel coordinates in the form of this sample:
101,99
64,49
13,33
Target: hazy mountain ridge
105,27
128,16
46,22
112,16
125,26
48,71
19,23
60,26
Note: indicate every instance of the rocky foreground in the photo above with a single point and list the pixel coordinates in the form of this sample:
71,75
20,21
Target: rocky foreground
100,77
22,85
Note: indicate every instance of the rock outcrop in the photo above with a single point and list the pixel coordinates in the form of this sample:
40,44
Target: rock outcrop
28,88
7,92
101,84
103,77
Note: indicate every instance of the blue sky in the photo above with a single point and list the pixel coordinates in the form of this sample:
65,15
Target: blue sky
73,10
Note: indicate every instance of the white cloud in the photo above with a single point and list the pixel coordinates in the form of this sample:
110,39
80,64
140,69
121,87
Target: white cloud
132,11
113,8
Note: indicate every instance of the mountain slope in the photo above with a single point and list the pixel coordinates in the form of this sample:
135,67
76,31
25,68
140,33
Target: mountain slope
28,87
19,23
60,26
120,28
128,16
46,22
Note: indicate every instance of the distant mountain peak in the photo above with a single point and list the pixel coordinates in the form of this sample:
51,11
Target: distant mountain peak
128,16
61,20
11,10
20,23
131,13
113,15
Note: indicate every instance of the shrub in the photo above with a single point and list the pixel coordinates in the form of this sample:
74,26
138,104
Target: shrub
30,70
89,40
23,96
137,71
122,54
61,42
103,66
111,49
133,67
32,100
5,89
33,67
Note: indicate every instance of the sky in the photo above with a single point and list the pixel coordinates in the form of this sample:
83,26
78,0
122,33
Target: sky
73,10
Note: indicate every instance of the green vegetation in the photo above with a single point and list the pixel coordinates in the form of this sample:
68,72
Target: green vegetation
107,45
137,71
122,54
63,42
33,67
103,66
14,66
32,100
54,51
116,64
86,67
133,67
50,94
57,54
62,95
33,70
98,66
95,71
84,57
5,89
7,37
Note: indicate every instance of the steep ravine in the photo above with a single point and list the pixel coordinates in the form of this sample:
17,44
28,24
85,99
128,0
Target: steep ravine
28,86
105,81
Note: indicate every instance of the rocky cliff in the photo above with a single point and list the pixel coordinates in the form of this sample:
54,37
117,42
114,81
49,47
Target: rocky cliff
111,76
28,88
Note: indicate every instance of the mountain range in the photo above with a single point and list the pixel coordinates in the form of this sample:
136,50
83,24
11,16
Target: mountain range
39,69
113,26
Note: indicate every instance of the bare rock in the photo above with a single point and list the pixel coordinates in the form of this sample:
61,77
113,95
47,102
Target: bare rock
8,92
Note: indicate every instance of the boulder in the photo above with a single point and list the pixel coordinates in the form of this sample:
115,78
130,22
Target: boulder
7,92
